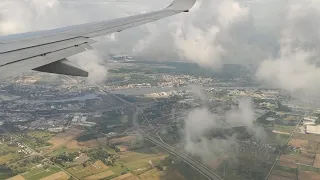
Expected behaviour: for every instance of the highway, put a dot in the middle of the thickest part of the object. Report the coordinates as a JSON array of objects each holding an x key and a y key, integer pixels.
[
  {"x": 187, "y": 159},
  {"x": 205, "y": 171}
]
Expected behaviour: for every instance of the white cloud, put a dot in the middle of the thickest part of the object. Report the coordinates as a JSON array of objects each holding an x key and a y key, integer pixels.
[
  {"x": 92, "y": 62},
  {"x": 295, "y": 68},
  {"x": 281, "y": 36},
  {"x": 200, "y": 122}
]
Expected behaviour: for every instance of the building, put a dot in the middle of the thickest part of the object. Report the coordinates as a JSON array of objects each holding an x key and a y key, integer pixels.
[
  {"x": 56, "y": 129},
  {"x": 310, "y": 129},
  {"x": 271, "y": 119},
  {"x": 82, "y": 121},
  {"x": 309, "y": 119}
]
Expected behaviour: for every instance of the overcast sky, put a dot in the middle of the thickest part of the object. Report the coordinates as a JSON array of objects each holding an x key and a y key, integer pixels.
[{"x": 281, "y": 37}]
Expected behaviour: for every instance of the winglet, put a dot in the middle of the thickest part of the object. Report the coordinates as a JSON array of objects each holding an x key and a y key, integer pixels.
[{"x": 182, "y": 5}]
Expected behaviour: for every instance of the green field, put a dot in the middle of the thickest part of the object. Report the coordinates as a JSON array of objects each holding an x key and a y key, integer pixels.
[
  {"x": 118, "y": 169},
  {"x": 36, "y": 139},
  {"x": 38, "y": 173},
  {"x": 183, "y": 168},
  {"x": 285, "y": 169},
  {"x": 62, "y": 150},
  {"x": 6, "y": 172},
  {"x": 309, "y": 168},
  {"x": 9, "y": 153},
  {"x": 89, "y": 136},
  {"x": 243, "y": 169},
  {"x": 282, "y": 138},
  {"x": 288, "y": 129},
  {"x": 79, "y": 171},
  {"x": 44, "y": 135}
]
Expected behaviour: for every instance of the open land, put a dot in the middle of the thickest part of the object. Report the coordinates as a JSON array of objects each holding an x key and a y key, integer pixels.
[{"x": 64, "y": 137}]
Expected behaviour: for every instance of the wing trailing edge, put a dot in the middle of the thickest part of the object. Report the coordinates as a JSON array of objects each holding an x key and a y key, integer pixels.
[{"x": 64, "y": 67}]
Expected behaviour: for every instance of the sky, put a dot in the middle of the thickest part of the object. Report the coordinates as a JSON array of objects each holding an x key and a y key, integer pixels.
[{"x": 280, "y": 37}]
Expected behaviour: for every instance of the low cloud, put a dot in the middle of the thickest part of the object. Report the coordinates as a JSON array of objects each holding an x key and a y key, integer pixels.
[
  {"x": 244, "y": 116},
  {"x": 200, "y": 122},
  {"x": 296, "y": 66},
  {"x": 92, "y": 62}
]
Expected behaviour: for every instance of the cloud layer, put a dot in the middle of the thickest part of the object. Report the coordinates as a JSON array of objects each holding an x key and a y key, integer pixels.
[{"x": 281, "y": 37}]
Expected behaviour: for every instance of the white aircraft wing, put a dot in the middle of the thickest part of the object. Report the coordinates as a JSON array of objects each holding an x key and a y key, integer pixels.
[{"x": 47, "y": 50}]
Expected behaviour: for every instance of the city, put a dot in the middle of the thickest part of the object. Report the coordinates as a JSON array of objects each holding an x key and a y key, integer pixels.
[{"x": 159, "y": 125}]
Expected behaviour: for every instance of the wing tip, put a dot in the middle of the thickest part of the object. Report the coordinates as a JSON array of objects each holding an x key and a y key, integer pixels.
[{"x": 183, "y": 5}]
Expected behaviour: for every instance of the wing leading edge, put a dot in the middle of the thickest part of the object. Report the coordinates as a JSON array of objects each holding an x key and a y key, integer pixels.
[{"x": 46, "y": 51}]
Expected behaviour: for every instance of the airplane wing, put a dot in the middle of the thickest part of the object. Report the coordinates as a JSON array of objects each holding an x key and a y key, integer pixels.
[{"x": 47, "y": 50}]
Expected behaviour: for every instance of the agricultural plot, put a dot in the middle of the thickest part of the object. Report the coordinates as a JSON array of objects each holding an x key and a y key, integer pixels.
[
  {"x": 286, "y": 129},
  {"x": 118, "y": 169},
  {"x": 36, "y": 139},
  {"x": 154, "y": 174},
  {"x": 124, "y": 139},
  {"x": 127, "y": 176},
  {"x": 145, "y": 163},
  {"x": 243, "y": 169},
  {"x": 74, "y": 144},
  {"x": 298, "y": 142},
  {"x": 100, "y": 175},
  {"x": 17, "y": 177},
  {"x": 173, "y": 174},
  {"x": 296, "y": 158},
  {"x": 64, "y": 137},
  {"x": 301, "y": 163},
  {"x": 81, "y": 171},
  {"x": 277, "y": 177},
  {"x": 316, "y": 162},
  {"x": 280, "y": 174},
  {"x": 311, "y": 137},
  {"x": 57, "y": 176},
  {"x": 9, "y": 153},
  {"x": 39, "y": 173},
  {"x": 140, "y": 159},
  {"x": 308, "y": 175},
  {"x": 44, "y": 135}
]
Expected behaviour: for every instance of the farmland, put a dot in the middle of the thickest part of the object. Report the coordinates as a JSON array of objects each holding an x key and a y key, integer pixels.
[
  {"x": 299, "y": 160},
  {"x": 40, "y": 172},
  {"x": 64, "y": 137}
]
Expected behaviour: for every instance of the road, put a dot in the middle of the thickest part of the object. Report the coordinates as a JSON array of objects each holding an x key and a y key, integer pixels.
[
  {"x": 278, "y": 157},
  {"x": 205, "y": 171}
]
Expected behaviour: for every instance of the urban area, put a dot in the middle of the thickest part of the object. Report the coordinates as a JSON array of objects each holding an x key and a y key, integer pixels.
[{"x": 155, "y": 120}]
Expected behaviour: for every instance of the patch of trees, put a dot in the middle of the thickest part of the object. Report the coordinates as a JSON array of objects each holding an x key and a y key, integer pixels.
[
  {"x": 282, "y": 107},
  {"x": 317, "y": 120},
  {"x": 34, "y": 160},
  {"x": 98, "y": 154},
  {"x": 6, "y": 172},
  {"x": 34, "y": 141},
  {"x": 88, "y": 136},
  {"x": 262, "y": 119},
  {"x": 104, "y": 156},
  {"x": 65, "y": 157}
]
